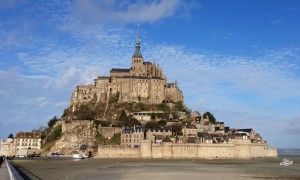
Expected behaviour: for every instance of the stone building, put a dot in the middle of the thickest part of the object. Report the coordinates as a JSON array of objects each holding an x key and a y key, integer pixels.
[
  {"x": 28, "y": 140},
  {"x": 154, "y": 133},
  {"x": 8, "y": 147},
  {"x": 189, "y": 130},
  {"x": 132, "y": 136},
  {"x": 142, "y": 82}
]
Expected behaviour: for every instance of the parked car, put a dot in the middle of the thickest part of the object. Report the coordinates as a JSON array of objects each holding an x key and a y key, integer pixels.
[
  {"x": 54, "y": 154},
  {"x": 33, "y": 155}
]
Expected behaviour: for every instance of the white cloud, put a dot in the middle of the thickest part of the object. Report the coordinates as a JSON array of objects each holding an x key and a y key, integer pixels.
[
  {"x": 123, "y": 12},
  {"x": 108, "y": 11},
  {"x": 242, "y": 91}
]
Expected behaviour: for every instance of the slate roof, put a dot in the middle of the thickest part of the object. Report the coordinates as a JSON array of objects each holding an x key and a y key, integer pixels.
[
  {"x": 11, "y": 136},
  {"x": 167, "y": 139},
  {"x": 119, "y": 70},
  {"x": 226, "y": 129},
  {"x": 166, "y": 129},
  {"x": 141, "y": 77},
  {"x": 129, "y": 130}
]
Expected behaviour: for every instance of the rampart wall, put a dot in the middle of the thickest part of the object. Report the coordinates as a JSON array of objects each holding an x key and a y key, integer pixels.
[
  {"x": 109, "y": 132},
  {"x": 117, "y": 152},
  {"x": 236, "y": 150}
]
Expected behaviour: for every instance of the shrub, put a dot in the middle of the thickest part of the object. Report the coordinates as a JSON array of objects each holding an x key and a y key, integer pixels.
[{"x": 52, "y": 121}]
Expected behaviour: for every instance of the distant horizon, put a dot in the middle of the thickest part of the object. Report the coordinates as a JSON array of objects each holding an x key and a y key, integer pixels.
[{"x": 238, "y": 60}]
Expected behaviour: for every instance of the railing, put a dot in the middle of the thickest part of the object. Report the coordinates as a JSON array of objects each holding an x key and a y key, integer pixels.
[{"x": 13, "y": 173}]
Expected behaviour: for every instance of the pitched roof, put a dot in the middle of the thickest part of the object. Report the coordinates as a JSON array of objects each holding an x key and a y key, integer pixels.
[
  {"x": 119, "y": 70},
  {"x": 131, "y": 129},
  {"x": 166, "y": 129},
  {"x": 11, "y": 136},
  {"x": 142, "y": 77},
  {"x": 167, "y": 139}
]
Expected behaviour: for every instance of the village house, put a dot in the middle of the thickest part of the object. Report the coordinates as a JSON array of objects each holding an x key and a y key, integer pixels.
[
  {"x": 204, "y": 137},
  {"x": 132, "y": 136},
  {"x": 189, "y": 130},
  {"x": 157, "y": 134},
  {"x": 28, "y": 140}
]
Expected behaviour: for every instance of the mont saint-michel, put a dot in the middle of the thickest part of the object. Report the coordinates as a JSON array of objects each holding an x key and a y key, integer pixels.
[
  {"x": 143, "y": 82},
  {"x": 137, "y": 113}
]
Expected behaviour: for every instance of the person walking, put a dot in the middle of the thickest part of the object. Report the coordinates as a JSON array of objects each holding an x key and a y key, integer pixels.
[{"x": 1, "y": 161}]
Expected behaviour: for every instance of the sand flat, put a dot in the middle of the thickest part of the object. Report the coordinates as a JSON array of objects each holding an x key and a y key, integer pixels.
[{"x": 149, "y": 169}]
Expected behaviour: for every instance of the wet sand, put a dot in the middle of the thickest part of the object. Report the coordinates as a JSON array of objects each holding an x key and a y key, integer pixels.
[{"x": 150, "y": 169}]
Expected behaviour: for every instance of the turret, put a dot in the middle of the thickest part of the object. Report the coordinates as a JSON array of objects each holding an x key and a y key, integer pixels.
[{"x": 10, "y": 138}]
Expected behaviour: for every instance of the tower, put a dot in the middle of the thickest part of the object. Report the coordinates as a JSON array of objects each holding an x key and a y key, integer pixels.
[{"x": 137, "y": 58}]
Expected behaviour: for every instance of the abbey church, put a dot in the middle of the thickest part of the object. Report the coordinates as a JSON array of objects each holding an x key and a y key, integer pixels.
[{"x": 143, "y": 82}]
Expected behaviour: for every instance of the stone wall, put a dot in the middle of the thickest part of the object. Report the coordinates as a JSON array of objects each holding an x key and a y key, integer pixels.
[
  {"x": 238, "y": 150},
  {"x": 117, "y": 152},
  {"x": 108, "y": 132}
]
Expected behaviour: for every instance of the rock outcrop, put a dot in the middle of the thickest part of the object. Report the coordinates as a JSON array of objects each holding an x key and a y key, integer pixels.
[{"x": 80, "y": 132}]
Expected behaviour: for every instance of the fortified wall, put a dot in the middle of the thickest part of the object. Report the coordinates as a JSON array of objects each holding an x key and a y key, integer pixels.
[
  {"x": 109, "y": 132},
  {"x": 240, "y": 149}
]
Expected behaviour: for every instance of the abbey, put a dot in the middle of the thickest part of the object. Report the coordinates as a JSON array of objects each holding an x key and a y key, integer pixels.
[{"x": 143, "y": 82}]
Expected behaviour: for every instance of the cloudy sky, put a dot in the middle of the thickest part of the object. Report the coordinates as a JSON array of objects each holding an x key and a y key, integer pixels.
[{"x": 240, "y": 60}]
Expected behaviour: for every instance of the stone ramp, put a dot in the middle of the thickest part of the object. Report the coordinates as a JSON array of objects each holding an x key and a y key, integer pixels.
[{"x": 4, "y": 172}]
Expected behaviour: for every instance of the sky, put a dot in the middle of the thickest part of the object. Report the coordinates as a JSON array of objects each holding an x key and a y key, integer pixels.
[{"x": 238, "y": 59}]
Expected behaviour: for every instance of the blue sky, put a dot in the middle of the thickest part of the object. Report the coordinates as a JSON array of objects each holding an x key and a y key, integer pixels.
[{"x": 239, "y": 60}]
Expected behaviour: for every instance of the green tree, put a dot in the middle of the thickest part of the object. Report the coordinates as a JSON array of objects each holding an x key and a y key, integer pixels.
[
  {"x": 162, "y": 123},
  {"x": 210, "y": 116},
  {"x": 179, "y": 106},
  {"x": 52, "y": 121},
  {"x": 56, "y": 134},
  {"x": 65, "y": 113},
  {"x": 153, "y": 116},
  {"x": 123, "y": 119},
  {"x": 151, "y": 124},
  {"x": 176, "y": 128},
  {"x": 163, "y": 107},
  {"x": 133, "y": 121},
  {"x": 114, "y": 98},
  {"x": 116, "y": 139}
]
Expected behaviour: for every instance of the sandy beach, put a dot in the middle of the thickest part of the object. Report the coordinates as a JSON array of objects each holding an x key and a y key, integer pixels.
[{"x": 149, "y": 169}]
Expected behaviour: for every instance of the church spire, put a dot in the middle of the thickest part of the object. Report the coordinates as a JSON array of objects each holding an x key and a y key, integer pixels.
[{"x": 137, "y": 52}]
